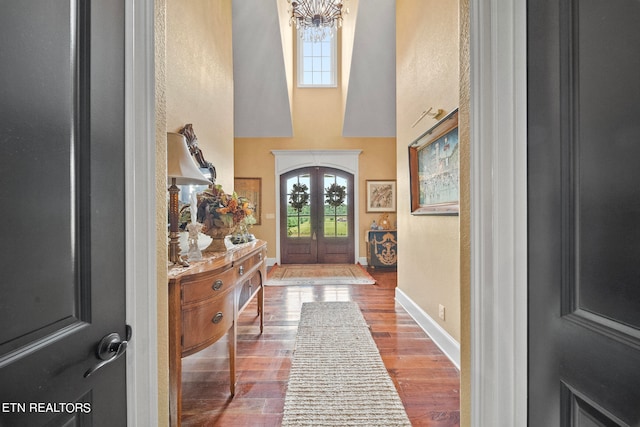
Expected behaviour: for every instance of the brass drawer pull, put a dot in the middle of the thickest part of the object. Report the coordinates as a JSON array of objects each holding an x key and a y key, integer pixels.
[
  {"x": 241, "y": 270},
  {"x": 217, "y": 284},
  {"x": 260, "y": 256},
  {"x": 217, "y": 318}
]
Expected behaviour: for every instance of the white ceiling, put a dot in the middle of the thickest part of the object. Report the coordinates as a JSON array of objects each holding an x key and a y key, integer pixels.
[{"x": 261, "y": 99}]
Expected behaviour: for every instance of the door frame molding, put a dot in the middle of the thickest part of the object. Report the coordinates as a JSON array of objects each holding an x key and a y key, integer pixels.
[
  {"x": 498, "y": 374},
  {"x": 498, "y": 256},
  {"x": 346, "y": 160},
  {"x": 139, "y": 198}
]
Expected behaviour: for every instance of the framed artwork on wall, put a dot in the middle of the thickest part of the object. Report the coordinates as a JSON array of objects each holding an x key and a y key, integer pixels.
[
  {"x": 251, "y": 188},
  {"x": 434, "y": 168},
  {"x": 381, "y": 195}
]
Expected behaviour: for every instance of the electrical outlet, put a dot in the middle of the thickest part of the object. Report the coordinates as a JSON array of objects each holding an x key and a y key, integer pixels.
[{"x": 441, "y": 311}]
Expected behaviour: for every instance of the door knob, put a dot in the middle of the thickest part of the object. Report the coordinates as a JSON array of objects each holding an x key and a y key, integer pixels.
[{"x": 110, "y": 348}]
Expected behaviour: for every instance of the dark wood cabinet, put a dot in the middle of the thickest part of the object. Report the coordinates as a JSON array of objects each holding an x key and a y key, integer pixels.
[{"x": 204, "y": 302}]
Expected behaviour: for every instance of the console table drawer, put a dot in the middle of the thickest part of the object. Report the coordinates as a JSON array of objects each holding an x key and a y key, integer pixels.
[
  {"x": 246, "y": 265},
  {"x": 207, "y": 286},
  {"x": 205, "y": 323}
]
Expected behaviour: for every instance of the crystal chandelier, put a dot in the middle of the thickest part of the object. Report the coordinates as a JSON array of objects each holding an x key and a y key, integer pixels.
[{"x": 318, "y": 19}]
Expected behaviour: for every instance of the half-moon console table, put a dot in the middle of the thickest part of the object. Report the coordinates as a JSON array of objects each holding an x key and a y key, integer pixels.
[{"x": 204, "y": 301}]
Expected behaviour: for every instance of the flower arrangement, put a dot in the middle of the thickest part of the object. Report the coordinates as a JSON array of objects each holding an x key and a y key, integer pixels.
[
  {"x": 217, "y": 209},
  {"x": 221, "y": 214}
]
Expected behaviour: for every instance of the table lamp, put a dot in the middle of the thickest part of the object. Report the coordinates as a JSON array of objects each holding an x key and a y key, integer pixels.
[{"x": 182, "y": 170}]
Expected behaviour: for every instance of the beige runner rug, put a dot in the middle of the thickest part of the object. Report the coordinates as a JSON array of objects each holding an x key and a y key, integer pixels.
[
  {"x": 337, "y": 376},
  {"x": 319, "y": 274}
]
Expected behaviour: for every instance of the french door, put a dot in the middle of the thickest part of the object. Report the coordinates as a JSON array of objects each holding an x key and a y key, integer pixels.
[{"x": 316, "y": 216}]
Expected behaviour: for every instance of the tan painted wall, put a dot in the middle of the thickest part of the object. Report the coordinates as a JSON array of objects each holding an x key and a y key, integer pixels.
[
  {"x": 200, "y": 78},
  {"x": 254, "y": 159},
  {"x": 427, "y": 75},
  {"x": 465, "y": 216},
  {"x": 317, "y": 125},
  {"x": 161, "y": 211},
  {"x": 194, "y": 84}
]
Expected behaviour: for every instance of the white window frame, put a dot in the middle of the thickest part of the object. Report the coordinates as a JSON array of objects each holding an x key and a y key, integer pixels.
[{"x": 334, "y": 64}]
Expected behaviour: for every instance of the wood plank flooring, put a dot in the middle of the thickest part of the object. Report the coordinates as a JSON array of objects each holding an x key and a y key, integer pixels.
[{"x": 427, "y": 382}]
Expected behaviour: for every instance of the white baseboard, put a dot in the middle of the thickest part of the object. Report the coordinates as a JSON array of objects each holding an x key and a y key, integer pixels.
[
  {"x": 273, "y": 261},
  {"x": 449, "y": 346},
  {"x": 270, "y": 262}
]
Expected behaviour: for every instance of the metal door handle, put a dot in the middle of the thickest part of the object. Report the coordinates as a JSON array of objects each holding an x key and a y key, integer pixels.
[{"x": 110, "y": 348}]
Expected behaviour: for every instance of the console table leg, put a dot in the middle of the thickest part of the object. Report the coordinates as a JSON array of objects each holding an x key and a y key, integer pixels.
[
  {"x": 232, "y": 359},
  {"x": 261, "y": 307}
]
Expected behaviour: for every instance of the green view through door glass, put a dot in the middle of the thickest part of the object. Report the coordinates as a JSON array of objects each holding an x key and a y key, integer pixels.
[
  {"x": 335, "y": 221},
  {"x": 298, "y": 209}
]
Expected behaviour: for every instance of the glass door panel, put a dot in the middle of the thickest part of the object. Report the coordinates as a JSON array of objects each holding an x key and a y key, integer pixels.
[
  {"x": 298, "y": 207},
  {"x": 335, "y": 209}
]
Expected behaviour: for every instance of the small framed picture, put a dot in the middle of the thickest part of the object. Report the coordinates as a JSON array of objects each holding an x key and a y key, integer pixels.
[
  {"x": 251, "y": 188},
  {"x": 381, "y": 195}
]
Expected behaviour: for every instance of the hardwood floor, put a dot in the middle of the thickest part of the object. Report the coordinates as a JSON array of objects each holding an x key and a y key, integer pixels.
[{"x": 427, "y": 382}]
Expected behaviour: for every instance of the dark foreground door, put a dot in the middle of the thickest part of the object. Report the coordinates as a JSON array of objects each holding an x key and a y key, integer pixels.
[
  {"x": 322, "y": 229},
  {"x": 62, "y": 210},
  {"x": 584, "y": 212}
]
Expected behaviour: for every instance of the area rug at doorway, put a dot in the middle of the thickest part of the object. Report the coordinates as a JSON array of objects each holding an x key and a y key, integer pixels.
[
  {"x": 337, "y": 376},
  {"x": 319, "y": 274}
]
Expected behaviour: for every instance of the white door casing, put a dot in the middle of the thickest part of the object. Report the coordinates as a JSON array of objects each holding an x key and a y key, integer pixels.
[
  {"x": 140, "y": 192},
  {"x": 498, "y": 213}
]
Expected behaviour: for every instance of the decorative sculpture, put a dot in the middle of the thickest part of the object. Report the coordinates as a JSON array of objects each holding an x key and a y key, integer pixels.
[{"x": 196, "y": 152}]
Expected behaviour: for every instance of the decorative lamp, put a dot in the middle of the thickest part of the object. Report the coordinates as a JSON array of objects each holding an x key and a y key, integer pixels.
[
  {"x": 318, "y": 18},
  {"x": 182, "y": 170}
]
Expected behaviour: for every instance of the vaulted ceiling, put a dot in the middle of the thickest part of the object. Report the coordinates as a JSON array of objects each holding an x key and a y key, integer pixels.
[{"x": 263, "y": 61}]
